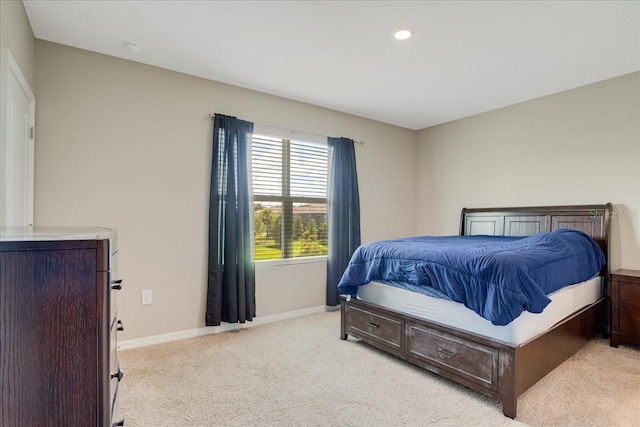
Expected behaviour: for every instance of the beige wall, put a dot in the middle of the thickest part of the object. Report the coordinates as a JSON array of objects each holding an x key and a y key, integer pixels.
[
  {"x": 16, "y": 34},
  {"x": 128, "y": 146},
  {"x": 581, "y": 146}
]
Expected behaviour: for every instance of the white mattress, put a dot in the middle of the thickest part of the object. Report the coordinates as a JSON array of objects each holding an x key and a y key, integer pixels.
[{"x": 564, "y": 302}]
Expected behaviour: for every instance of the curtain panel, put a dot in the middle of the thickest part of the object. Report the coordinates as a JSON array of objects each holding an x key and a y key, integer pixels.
[
  {"x": 231, "y": 270},
  {"x": 343, "y": 212}
]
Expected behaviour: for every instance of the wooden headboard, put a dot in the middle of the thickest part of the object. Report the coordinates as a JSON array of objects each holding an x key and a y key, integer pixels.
[{"x": 590, "y": 219}]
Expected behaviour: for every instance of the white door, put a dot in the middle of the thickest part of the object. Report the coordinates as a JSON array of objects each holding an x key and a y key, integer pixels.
[{"x": 17, "y": 151}]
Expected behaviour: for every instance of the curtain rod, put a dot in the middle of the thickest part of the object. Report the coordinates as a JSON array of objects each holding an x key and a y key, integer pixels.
[{"x": 292, "y": 131}]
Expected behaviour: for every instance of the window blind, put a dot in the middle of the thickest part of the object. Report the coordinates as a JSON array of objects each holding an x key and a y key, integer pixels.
[{"x": 290, "y": 198}]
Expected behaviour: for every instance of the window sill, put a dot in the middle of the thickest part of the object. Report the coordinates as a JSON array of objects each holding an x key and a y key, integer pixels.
[{"x": 290, "y": 261}]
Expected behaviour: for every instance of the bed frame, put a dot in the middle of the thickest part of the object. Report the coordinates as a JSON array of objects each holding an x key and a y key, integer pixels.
[{"x": 499, "y": 369}]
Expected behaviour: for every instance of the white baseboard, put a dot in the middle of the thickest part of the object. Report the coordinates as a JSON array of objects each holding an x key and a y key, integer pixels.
[{"x": 192, "y": 333}]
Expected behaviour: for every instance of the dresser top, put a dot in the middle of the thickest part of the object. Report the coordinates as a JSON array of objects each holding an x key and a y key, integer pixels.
[
  {"x": 626, "y": 272},
  {"x": 55, "y": 233}
]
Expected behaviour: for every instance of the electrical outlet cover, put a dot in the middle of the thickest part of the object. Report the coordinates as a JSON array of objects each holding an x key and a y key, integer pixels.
[{"x": 147, "y": 297}]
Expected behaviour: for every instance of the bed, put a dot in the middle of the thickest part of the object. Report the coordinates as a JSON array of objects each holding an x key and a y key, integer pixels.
[{"x": 505, "y": 364}]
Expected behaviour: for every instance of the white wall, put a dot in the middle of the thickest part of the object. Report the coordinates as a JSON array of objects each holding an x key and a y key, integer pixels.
[
  {"x": 580, "y": 146},
  {"x": 128, "y": 146}
]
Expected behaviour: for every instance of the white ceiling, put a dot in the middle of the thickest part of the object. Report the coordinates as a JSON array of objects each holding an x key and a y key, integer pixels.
[{"x": 465, "y": 57}]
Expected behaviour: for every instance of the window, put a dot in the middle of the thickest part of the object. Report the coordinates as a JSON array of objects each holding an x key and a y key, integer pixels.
[{"x": 289, "y": 198}]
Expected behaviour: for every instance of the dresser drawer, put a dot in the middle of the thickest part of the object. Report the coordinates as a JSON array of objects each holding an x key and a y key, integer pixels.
[
  {"x": 116, "y": 419},
  {"x": 116, "y": 379},
  {"x": 629, "y": 294},
  {"x": 116, "y": 286},
  {"x": 382, "y": 329},
  {"x": 625, "y": 307},
  {"x": 116, "y": 283},
  {"x": 631, "y": 324},
  {"x": 470, "y": 360},
  {"x": 114, "y": 365}
]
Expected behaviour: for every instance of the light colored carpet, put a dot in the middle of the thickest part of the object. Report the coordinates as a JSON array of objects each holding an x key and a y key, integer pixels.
[{"x": 299, "y": 373}]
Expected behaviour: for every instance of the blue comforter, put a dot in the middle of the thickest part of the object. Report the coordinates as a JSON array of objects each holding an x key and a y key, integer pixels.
[{"x": 497, "y": 277}]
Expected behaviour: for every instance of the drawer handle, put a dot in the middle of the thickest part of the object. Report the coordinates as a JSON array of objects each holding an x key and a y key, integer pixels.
[
  {"x": 119, "y": 423},
  {"x": 118, "y": 375},
  {"x": 447, "y": 352},
  {"x": 116, "y": 284},
  {"x": 119, "y": 326},
  {"x": 373, "y": 325}
]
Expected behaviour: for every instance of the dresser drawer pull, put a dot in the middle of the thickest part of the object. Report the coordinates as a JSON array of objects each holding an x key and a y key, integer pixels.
[
  {"x": 447, "y": 352},
  {"x": 116, "y": 284},
  {"x": 118, "y": 375},
  {"x": 373, "y": 325},
  {"x": 119, "y": 326},
  {"x": 118, "y": 424}
]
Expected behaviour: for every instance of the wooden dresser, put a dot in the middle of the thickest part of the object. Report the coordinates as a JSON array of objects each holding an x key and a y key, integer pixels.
[
  {"x": 58, "y": 331},
  {"x": 625, "y": 307}
]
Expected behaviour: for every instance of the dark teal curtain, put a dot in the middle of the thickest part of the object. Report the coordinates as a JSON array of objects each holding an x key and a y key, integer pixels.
[
  {"x": 231, "y": 276},
  {"x": 343, "y": 212}
]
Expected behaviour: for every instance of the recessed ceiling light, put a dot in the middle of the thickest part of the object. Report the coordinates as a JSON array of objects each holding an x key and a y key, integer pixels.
[
  {"x": 133, "y": 47},
  {"x": 402, "y": 34}
]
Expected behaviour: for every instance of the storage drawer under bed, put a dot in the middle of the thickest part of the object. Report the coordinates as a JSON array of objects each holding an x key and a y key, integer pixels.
[
  {"x": 470, "y": 360},
  {"x": 381, "y": 329}
]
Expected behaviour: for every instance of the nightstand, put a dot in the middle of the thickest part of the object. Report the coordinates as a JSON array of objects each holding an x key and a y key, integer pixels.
[{"x": 625, "y": 307}]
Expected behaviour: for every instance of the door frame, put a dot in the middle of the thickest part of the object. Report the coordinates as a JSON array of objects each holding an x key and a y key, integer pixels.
[{"x": 13, "y": 69}]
